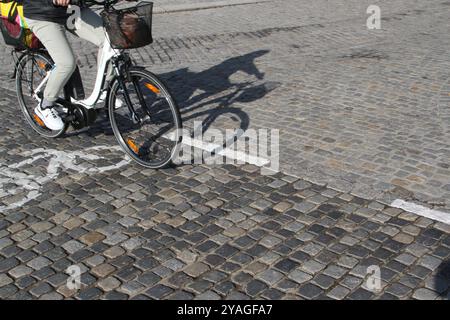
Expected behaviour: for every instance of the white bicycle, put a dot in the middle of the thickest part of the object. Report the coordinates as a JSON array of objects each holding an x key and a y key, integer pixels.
[{"x": 148, "y": 124}]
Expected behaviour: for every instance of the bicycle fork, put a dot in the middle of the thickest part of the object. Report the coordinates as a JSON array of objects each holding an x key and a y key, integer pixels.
[
  {"x": 121, "y": 79},
  {"x": 134, "y": 115}
]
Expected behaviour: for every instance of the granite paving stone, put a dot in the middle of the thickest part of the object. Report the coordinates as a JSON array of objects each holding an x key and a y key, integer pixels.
[{"x": 362, "y": 120}]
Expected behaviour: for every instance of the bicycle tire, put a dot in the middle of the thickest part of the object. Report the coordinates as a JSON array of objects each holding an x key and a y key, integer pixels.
[
  {"x": 136, "y": 72},
  {"x": 35, "y": 123}
]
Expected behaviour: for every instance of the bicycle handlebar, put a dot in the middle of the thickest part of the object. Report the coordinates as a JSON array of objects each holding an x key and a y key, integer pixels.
[{"x": 106, "y": 3}]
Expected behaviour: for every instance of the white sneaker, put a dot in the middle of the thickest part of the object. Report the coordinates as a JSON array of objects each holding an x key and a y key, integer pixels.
[
  {"x": 50, "y": 118},
  {"x": 119, "y": 102}
]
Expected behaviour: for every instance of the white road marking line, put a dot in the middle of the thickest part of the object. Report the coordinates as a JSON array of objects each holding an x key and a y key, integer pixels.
[
  {"x": 226, "y": 152},
  {"x": 435, "y": 215}
]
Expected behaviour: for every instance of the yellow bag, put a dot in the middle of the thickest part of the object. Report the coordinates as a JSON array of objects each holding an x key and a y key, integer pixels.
[
  {"x": 12, "y": 10},
  {"x": 14, "y": 27}
]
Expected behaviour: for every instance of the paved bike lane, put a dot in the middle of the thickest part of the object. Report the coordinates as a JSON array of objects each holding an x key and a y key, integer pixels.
[
  {"x": 362, "y": 111},
  {"x": 198, "y": 231},
  {"x": 204, "y": 232}
]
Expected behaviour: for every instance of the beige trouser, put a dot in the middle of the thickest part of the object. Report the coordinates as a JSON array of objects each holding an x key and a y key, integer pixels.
[{"x": 88, "y": 26}]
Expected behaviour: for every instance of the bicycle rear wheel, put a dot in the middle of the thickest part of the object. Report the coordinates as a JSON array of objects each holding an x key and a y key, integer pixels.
[
  {"x": 31, "y": 71},
  {"x": 150, "y": 131}
]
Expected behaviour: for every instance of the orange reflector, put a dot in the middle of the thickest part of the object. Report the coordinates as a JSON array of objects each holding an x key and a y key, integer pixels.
[
  {"x": 152, "y": 88},
  {"x": 38, "y": 120},
  {"x": 41, "y": 64},
  {"x": 133, "y": 146}
]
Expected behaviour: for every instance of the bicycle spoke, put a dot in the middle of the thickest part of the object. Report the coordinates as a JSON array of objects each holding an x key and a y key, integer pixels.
[
  {"x": 146, "y": 141},
  {"x": 30, "y": 73}
]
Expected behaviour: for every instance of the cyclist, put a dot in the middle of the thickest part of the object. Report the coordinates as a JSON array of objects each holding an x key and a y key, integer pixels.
[{"x": 48, "y": 19}]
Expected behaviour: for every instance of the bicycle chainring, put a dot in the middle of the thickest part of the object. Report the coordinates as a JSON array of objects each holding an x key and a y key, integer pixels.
[{"x": 83, "y": 117}]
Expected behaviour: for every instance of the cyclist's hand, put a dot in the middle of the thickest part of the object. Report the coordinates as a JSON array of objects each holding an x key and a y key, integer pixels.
[{"x": 61, "y": 3}]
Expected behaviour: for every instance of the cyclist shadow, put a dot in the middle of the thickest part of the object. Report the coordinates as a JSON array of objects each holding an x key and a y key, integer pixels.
[
  {"x": 214, "y": 92},
  {"x": 210, "y": 94},
  {"x": 214, "y": 87}
]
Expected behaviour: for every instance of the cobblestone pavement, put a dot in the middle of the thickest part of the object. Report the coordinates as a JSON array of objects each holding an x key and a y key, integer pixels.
[{"x": 363, "y": 118}]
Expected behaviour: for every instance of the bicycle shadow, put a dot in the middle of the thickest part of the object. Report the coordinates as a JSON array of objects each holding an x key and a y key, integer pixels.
[
  {"x": 212, "y": 93},
  {"x": 217, "y": 89}
]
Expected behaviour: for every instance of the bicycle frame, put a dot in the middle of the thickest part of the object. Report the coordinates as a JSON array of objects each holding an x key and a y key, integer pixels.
[{"x": 108, "y": 53}]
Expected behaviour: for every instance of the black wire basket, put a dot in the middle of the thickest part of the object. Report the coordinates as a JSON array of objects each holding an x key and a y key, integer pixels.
[{"x": 129, "y": 28}]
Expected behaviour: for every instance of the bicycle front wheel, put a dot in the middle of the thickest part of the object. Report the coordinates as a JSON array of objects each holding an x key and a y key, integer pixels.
[{"x": 149, "y": 129}]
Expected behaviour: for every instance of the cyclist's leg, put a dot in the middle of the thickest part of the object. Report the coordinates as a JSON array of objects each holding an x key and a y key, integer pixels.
[
  {"x": 53, "y": 37},
  {"x": 89, "y": 26}
]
